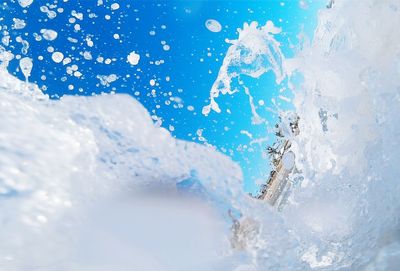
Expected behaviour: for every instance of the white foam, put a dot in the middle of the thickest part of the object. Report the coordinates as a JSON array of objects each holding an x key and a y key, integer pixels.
[
  {"x": 73, "y": 171},
  {"x": 342, "y": 210},
  {"x": 74, "y": 178}
]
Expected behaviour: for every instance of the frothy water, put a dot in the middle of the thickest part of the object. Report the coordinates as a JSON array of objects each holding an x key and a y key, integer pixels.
[
  {"x": 343, "y": 208},
  {"x": 75, "y": 172},
  {"x": 86, "y": 185}
]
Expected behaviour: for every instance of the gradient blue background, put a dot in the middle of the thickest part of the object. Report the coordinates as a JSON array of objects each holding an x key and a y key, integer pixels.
[{"x": 191, "y": 71}]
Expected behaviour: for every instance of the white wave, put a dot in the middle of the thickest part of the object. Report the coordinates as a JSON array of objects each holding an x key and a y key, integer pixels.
[
  {"x": 348, "y": 150},
  {"x": 80, "y": 178},
  {"x": 343, "y": 209},
  {"x": 74, "y": 175}
]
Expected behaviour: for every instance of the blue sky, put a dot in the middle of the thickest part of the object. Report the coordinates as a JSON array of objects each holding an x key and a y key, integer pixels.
[{"x": 183, "y": 75}]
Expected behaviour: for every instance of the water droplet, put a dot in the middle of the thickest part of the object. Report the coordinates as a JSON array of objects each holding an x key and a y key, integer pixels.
[
  {"x": 133, "y": 58},
  {"x": 57, "y": 57},
  {"x": 213, "y": 25}
]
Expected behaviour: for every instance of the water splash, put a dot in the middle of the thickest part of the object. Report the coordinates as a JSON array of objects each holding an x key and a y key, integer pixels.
[
  {"x": 254, "y": 53},
  {"x": 66, "y": 165},
  {"x": 82, "y": 155},
  {"x": 342, "y": 210},
  {"x": 26, "y": 66}
]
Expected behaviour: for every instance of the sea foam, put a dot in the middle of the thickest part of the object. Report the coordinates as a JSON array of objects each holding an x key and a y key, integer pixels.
[{"x": 91, "y": 183}]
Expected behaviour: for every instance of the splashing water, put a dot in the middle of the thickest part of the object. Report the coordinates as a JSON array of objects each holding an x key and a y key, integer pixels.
[
  {"x": 79, "y": 177},
  {"x": 343, "y": 208},
  {"x": 26, "y": 66},
  {"x": 66, "y": 165},
  {"x": 349, "y": 189},
  {"x": 255, "y": 52}
]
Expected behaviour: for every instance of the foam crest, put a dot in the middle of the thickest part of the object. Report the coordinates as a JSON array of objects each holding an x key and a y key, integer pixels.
[
  {"x": 98, "y": 179},
  {"x": 342, "y": 210},
  {"x": 67, "y": 164}
]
